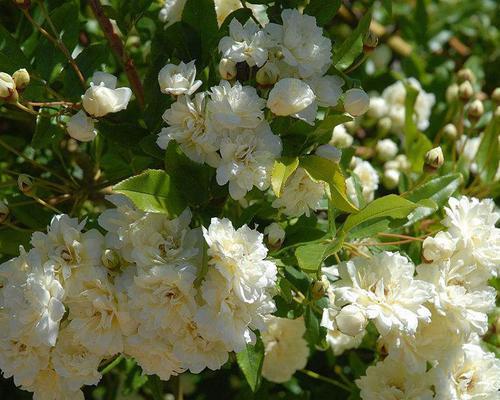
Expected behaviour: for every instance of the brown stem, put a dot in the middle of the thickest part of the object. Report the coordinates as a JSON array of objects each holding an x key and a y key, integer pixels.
[
  {"x": 53, "y": 104},
  {"x": 119, "y": 50}
]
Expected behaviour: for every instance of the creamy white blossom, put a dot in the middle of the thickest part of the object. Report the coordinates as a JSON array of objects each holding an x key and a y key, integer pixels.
[
  {"x": 386, "y": 149},
  {"x": 327, "y": 89},
  {"x": 179, "y": 79},
  {"x": 368, "y": 179},
  {"x": 341, "y": 138},
  {"x": 171, "y": 12},
  {"x": 293, "y": 97},
  {"x": 81, "y": 127}
]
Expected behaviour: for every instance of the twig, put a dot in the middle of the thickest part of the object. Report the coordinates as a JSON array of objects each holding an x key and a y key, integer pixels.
[
  {"x": 53, "y": 103},
  {"x": 24, "y": 108},
  {"x": 119, "y": 50},
  {"x": 331, "y": 381}
]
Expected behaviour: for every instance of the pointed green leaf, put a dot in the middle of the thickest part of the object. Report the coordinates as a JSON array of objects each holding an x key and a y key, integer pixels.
[
  {"x": 250, "y": 361},
  {"x": 282, "y": 170}
]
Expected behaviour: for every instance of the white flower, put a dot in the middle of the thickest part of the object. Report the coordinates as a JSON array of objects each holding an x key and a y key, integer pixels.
[
  {"x": 179, "y": 79},
  {"x": 239, "y": 255},
  {"x": 300, "y": 195},
  {"x": 171, "y": 11},
  {"x": 247, "y": 159},
  {"x": 94, "y": 314},
  {"x": 384, "y": 288},
  {"x": 244, "y": 43},
  {"x": 438, "y": 247},
  {"x": 327, "y": 89},
  {"x": 368, "y": 179},
  {"x": 275, "y": 234},
  {"x": 386, "y": 149},
  {"x": 340, "y": 137},
  {"x": 74, "y": 362},
  {"x": 49, "y": 385},
  {"x": 294, "y": 97},
  {"x": 102, "y": 97},
  {"x": 356, "y": 101},
  {"x": 186, "y": 118},
  {"x": 390, "y": 379},
  {"x": 286, "y": 350},
  {"x": 81, "y": 127},
  {"x": 302, "y": 43},
  {"x": 474, "y": 374},
  {"x": 234, "y": 107},
  {"x": 473, "y": 223},
  {"x": 351, "y": 320}
]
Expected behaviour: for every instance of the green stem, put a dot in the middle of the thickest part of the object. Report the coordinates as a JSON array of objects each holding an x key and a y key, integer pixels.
[
  {"x": 112, "y": 365},
  {"x": 331, "y": 381}
]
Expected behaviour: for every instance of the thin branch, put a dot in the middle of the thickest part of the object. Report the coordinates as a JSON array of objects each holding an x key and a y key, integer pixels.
[
  {"x": 119, "y": 50},
  {"x": 331, "y": 381}
]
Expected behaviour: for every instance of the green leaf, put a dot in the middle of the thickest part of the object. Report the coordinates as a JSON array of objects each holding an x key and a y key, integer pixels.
[
  {"x": 421, "y": 21},
  {"x": 392, "y": 206},
  {"x": 311, "y": 321},
  {"x": 343, "y": 55},
  {"x": 11, "y": 56},
  {"x": 46, "y": 133},
  {"x": 155, "y": 385},
  {"x": 323, "y": 10},
  {"x": 310, "y": 256},
  {"x": 323, "y": 131},
  {"x": 416, "y": 144},
  {"x": 283, "y": 169},
  {"x": 387, "y": 4},
  {"x": 250, "y": 362},
  {"x": 488, "y": 154},
  {"x": 322, "y": 169},
  {"x": 152, "y": 191},
  {"x": 11, "y": 239}
]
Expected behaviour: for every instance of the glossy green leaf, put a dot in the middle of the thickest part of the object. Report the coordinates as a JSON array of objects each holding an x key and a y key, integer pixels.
[
  {"x": 11, "y": 55},
  {"x": 311, "y": 256},
  {"x": 283, "y": 169},
  {"x": 323, "y": 10},
  {"x": 250, "y": 361},
  {"x": 488, "y": 154},
  {"x": 152, "y": 191}
]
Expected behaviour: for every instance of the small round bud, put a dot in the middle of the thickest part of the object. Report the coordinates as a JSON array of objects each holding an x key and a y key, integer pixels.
[
  {"x": 4, "y": 212},
  {"x": 21, "y": 78},
  {"x": 356, "y": 102},
  {"x": 384, "y": 124},
  {"x": 452, "y": 93},
  {"x": 8, "y": 90},
  {"x": 465, "y": 74},
  {"x": 268, "y": 75},
  {"x": 450, "y": 131},
  {"x": 24, "y": 183},
  {"x": 227, "y": 69},
  {"x": 319, "y": 288},
  {"x": 465, "y": 91},
  {"x": 434, "y": 158},
  {"x": 370, "y": 41},
  {"x": 495, "y": 96},
  {"x": 110, "y": 259},
  {"x": 351, "y": 320},
  {"x": 475, "y": 110},
  {"x": 329, "y": 152},
  {"x": 275, "y": 235},
  {"x": 386, "y": 149},
  {"x": 390, "y": 178}
]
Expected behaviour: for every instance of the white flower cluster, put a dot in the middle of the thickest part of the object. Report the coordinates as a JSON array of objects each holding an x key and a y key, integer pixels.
[
  {"x": 390, "y": 106},
  {"x": 146, "y": 289},
  {"x": 436, "y": 317}
]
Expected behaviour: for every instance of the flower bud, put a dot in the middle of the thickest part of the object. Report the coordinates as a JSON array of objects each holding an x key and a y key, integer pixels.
[
  {"x": 351, "y": 320},
  {"x": 227, "y": 69},
  {"x": 439, "y": 247},
  {"x": 384, "y": 124},
  {"x": 475, "y": 110},
  {"x": 452, "y": 93},
  {"x": 8, "y": 90},
  {"x": 24, "y": 183},
  {"x": 465, "y": 91},
  {"x": 110, "y": 259},
  {"x": 275, "y": 235},
  {"x": 329, "y": 152},
  {"x": 434, "y": 158},
  {"x": 450, "y": 131},
  {"x": 340, "y": 138},
  {"x": 356, "y": 102},
  {"x": 268, "y": 75},
  {"x": 465, "y": 74},
  {"x": 320, "y": 288},
  {"x": 390, "y": 178},
  {"x": 81, "y": 127},
  {"x": 4, "y": 212},
  {"x": 495, "y": 96},
  {"x": 370, "y": 41},
  {"x": 386, "y": 149},
  {"x": 21, "y": 78},
  {"x": 404, "y": 163}
]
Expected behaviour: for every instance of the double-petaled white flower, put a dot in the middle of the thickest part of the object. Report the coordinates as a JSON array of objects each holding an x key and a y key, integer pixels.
[
  {"x": 293, "y": 97},
  {"x": 179, "y": 79}
]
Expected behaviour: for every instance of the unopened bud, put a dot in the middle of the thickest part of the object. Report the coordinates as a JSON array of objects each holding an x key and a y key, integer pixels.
[
  {"x": 21, "y": 78},
  {"x": 227, "y": 69},
  {"x": 495, "y": 96},
  {"x": 8, "y": 90},
  {"x": 268, "y": 75},
  {"x": 384, "y": 124},
  {"x": 319, "y": 288},
  {"x": 450, "y": 131},
  {"x": 356, "y": 102},
  {"x": 390, "y": 178},
  {"x": 24, "y": 183},
  {"x": 275, "y": 235},
  {"x": 475, "y": 110},
  {"x": 465, "y": 91},
  {"x": 351, "y": 320},
  {"x": 4, "y": 212},
  {"x": 465, "y": 74},
  {"x": 370, "y": 41},
  {"x": 110, "y": 259},
  {"x": 452, "y": 93},
  {"x": 434, "y": 158}
]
